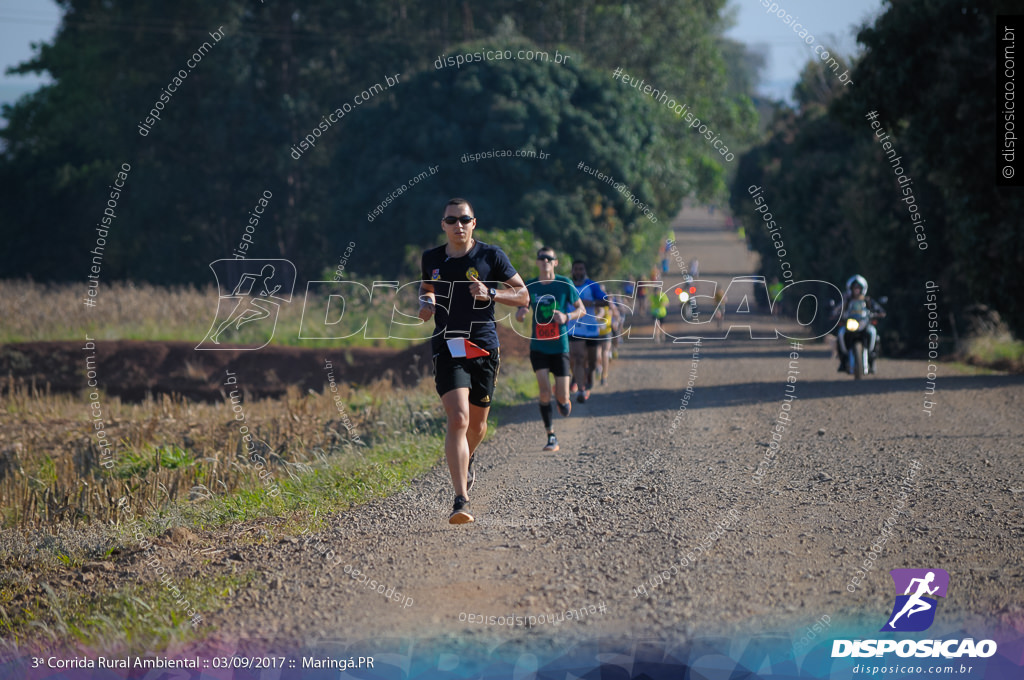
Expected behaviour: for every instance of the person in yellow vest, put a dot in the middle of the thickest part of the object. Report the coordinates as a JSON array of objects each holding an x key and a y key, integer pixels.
[
  {"x": 608, "y": 319},
  {"x": 659, "y": 310},
  {"x": 775, "y": 293},
  {"x": 720, "y": 300}
]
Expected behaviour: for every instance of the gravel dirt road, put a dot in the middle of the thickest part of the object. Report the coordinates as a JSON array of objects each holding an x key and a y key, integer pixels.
[{"x": 651, "y": 479}]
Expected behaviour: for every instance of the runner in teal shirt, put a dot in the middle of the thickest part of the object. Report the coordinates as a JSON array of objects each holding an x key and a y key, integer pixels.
[{"x": 554, "y": 301}]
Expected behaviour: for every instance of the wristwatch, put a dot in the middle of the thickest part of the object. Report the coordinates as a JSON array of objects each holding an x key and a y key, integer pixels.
[{"x": 492, "y": 292}]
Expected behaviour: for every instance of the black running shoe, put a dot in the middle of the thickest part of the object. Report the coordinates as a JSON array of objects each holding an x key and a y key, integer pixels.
[
  {"x": 582, "y": 396},
  {"x": 470, "y": 474},
  {"x": 564, "y": 409},
  {"x": 552, "y": 444},
  {"x": 460, "y": 512}
]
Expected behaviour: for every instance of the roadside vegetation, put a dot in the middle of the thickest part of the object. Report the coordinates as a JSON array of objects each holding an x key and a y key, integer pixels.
[
  {"x": 141, "y": 311},
  {"x": 998, "y": 351},
  {"x": 73, "y": 531}
]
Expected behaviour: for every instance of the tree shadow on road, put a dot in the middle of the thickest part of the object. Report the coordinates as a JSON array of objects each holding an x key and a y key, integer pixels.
[{"x": 751, "y": 393}]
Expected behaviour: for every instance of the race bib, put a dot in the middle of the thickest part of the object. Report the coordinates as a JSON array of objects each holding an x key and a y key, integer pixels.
[
  {"x": 460, "y": 348},
  {"x": 547, "y": 331}
]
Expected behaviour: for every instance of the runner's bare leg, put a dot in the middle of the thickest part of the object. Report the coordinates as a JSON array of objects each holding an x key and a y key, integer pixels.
[
  {"x": 456, "y": 444},
  {"x": 544, "y": 385},
  {"x": 591, "y": 365},
  {"x": 477, "y": 427},
  {"x": 562, "y": 388},
  {"x": 578, "y": 362}
]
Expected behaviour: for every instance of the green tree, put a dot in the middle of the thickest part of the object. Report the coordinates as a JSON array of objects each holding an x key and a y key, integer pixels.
[
  {"x": 564, "y": 113},
  {"x": 833, "y": 202},
  {"x": 928, "y": 70},
  {"x": 227, "y": 133}
]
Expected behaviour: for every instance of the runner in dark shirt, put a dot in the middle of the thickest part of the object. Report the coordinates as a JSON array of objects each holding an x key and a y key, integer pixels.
[{"x": 461, "y": 283}]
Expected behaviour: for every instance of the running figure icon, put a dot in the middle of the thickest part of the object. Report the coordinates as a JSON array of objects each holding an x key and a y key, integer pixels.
[
  {"x": 249, "y": 308},
  {"x": 917, "y": 594},
  {"x": 915, "y": 604},
  {"x": 250, "y": 296}
]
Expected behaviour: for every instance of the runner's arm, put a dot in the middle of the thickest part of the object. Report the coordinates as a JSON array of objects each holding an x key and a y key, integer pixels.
[
  {"x": 877, "y": 310},
  {"x": 426, "y": 301},
  {"x": 579, "y": 311},
  {"x": 576, "y": 313},
  {"x": 515, "y": 294},
  {"x": 599, "y": 293}
]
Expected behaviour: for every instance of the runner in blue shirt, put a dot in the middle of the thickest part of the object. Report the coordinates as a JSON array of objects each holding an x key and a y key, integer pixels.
[{"x": 584, "y": 334}]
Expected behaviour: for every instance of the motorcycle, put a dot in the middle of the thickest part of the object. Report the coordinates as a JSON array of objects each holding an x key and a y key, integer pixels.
[
  {"x": 687, "y": 297},
  {"x": 857, "y": 319}
]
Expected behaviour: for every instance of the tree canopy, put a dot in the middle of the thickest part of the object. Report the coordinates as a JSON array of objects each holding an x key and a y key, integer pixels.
[
  {"x": 228, "y": 126},
  {"x": 847, "y": 205}
]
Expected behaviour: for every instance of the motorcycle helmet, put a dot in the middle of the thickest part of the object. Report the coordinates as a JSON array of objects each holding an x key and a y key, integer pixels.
[{"x": 857, "y": 278}]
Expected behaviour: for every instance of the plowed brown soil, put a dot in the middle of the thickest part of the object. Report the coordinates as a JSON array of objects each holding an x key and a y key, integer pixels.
[{"x": 132, "y": 368}]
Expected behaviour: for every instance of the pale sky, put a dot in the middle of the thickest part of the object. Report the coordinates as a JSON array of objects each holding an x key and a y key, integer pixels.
[
  {"x": 831, "y": 22},
  {"x": 23, "y": 22}
]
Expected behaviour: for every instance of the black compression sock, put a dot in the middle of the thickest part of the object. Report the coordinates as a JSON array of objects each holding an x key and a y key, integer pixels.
[{"x": 545, "y": 413}]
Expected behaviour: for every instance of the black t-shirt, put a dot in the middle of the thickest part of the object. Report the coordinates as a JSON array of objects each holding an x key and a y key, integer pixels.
[{"x": 457, "y": 313}]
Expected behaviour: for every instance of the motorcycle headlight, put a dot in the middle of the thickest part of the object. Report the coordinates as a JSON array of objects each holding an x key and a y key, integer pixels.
[
  {"x": 684, "y": 296},
  {"x": 852, "y": 324}
]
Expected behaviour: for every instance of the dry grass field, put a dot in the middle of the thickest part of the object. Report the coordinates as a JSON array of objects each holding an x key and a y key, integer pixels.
[
  {"x": 69, "y": 512},
  {"x": 168, "y": 450},
  {"x": 129, "y": 311}
]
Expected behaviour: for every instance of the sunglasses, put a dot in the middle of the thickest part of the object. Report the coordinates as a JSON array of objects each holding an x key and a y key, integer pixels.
[
  {"x": 546, "y": 258},
  {"x": 465, "y": 219}
]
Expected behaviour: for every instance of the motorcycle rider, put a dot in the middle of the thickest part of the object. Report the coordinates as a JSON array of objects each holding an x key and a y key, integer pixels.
[{"x": 856, "y": 289}]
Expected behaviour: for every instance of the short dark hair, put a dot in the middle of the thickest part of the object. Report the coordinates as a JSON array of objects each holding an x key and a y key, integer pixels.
[
  {"x": 459, "y": 201},
  {"x": 547, "y": 249},
  {"x": 576, "y": 262}
]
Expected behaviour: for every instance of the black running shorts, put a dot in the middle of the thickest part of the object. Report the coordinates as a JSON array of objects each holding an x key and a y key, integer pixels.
[
  {"x": 480, "y": 375},
  {"x": 558, "y": 364}
]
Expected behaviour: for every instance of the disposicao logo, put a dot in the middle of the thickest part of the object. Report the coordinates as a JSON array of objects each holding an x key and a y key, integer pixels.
[
  {"x": 249, "y": 292},
  {"x": 914, "y": 611}
]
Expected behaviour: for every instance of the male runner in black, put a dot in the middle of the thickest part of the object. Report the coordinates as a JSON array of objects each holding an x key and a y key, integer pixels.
[{"x": 459, "y": 287}]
